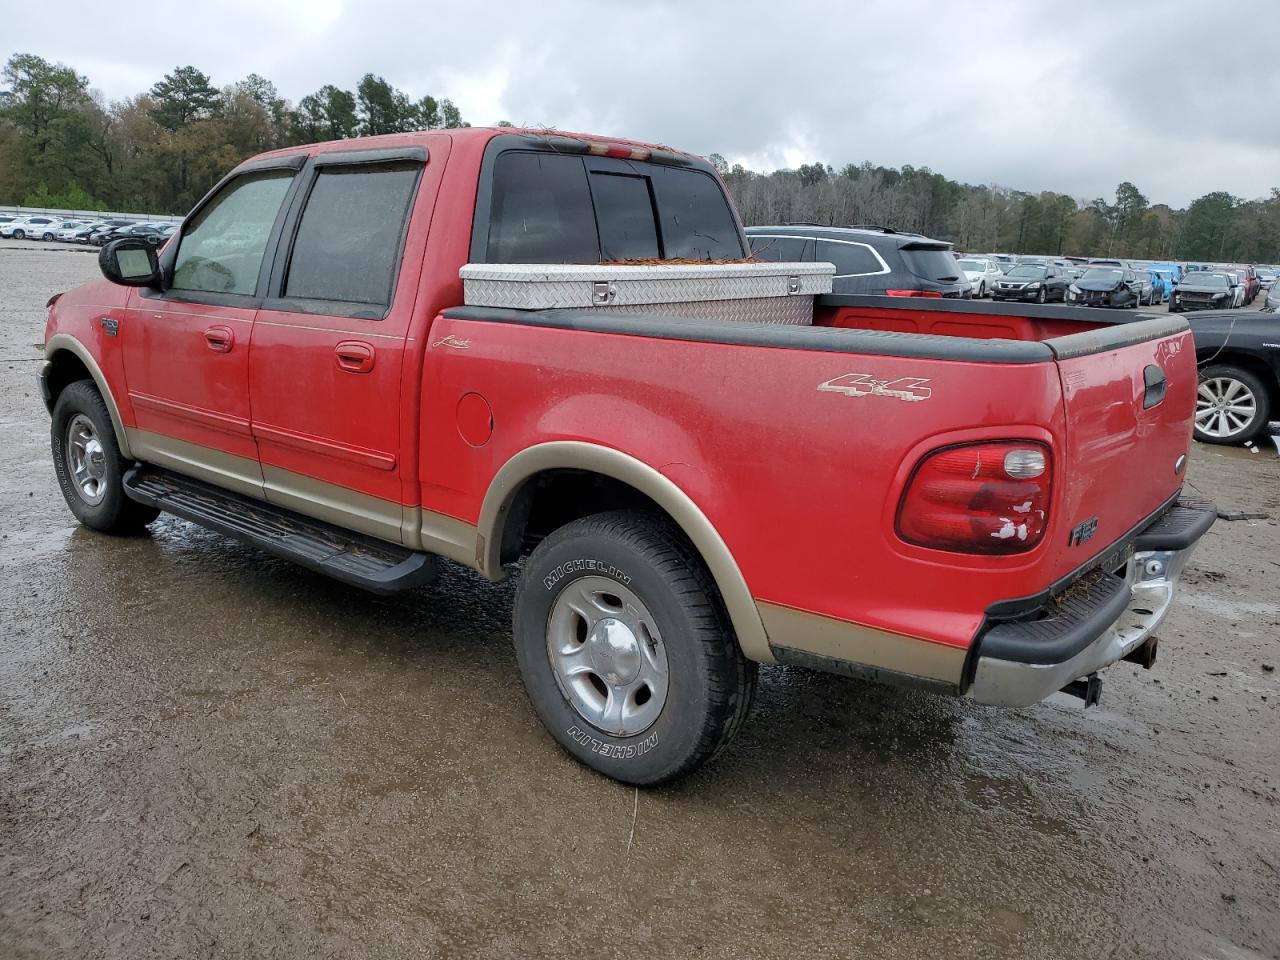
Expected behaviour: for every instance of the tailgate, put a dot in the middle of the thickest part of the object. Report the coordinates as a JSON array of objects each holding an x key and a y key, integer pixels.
[{"x": 1129, "y": 396}]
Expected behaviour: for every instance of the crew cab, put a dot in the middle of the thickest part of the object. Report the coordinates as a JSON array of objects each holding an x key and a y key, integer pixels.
[{"x": 983, "y": 501}]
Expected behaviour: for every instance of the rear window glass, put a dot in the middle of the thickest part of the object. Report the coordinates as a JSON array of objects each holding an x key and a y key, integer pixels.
[
  {"x": 931, "y": 263},
  {"x": 348, "y": 243},
  {"x": 850, "y": 259},
  {"x": 547, "y": 208},
  {"x": 781, "y": 249},
  {"x": 541, "y": 211},
  {"x": 628, "y": 231},
  {"x": 697, "y": 222}
]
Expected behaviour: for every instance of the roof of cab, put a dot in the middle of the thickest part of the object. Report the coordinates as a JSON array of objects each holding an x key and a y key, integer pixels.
[{"x": 481, "y": 134}]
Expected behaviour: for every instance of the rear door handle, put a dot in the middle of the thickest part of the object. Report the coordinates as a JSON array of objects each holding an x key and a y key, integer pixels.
[
  {"x": 354, "y": 356},
  {"x": 220, "y": 339}
]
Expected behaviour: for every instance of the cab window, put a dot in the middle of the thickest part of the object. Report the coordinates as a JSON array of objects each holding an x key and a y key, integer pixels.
[{"x": 221, "y": 249}]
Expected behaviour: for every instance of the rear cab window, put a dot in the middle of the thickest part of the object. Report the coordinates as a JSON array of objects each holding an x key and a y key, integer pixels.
[{"x": 565, "y": 208}]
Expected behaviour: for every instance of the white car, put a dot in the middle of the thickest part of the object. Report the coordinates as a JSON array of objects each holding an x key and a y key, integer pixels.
[
  {"x": 1236, "y": 279},
  {"x": 34, "y": 227},
  {"x": 981, "y": 273},
  {"x": 70, "y": 228}
]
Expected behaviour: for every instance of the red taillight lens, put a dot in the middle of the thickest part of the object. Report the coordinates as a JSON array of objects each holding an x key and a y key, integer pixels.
[
  {"x": 988, "y": 498},
  {"x": 913, "y": 293}
]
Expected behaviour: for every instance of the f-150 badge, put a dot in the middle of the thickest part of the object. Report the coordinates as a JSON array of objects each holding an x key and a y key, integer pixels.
[{"x": 910, "y": 389}]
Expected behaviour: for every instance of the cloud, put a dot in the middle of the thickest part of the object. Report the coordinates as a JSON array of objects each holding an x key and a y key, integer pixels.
[{"x": 1034, "y": 95}]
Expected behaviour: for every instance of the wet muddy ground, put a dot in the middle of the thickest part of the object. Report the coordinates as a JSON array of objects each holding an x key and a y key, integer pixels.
[{"x": 208, "y": 753}]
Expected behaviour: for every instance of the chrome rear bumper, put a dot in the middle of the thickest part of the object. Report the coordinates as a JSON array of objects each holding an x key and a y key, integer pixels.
[{"x": 1113, "y": 616}]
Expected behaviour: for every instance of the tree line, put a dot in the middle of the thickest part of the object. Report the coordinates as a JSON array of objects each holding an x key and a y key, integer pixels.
[
  {"x": 1216, "y": 226},
  {"x": 63, "y": 145}
]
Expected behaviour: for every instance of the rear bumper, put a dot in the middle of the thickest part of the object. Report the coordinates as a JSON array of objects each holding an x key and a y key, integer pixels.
[{"x": 1101, "y": 618}]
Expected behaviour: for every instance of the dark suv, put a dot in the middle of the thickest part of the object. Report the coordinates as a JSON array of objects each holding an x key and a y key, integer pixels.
[
  {"x": 1030, "y": 282},
  {"x": 869, "y": 260}
]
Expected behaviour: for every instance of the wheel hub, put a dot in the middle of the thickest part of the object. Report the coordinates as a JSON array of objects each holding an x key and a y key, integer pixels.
[
  {"x": 614, "y": 651},
  {"x": 607, "y": 655}
]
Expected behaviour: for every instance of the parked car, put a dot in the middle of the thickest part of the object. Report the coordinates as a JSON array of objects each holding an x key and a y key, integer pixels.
[
  {"x": 1166, "y": 275},
  {"x": 111, "y": 229},
  {"x": 1201, "y": 290},
  {"x": 80, "y": 234},
  {"x": 655, "y": 482},
  {"x": 867, "y": 260},
  {"x": 1104, "y": 287},
  {"x": 67, "y": 229},
  {"x": 27, "y": 227},
  {"x": 7, "y": 218},
  {"x": 1266, "y": 277},
  {"x": 1030, "y": 282},
  {"x": 1099, "y": 262},
  {"x": 1249, "y": 279},
  {"x": 982, "y": 275},
  {"x": 1143, "y": 286},
  {"x": 1239, "y": 288},
  {"x": 1239, "y": 390}
]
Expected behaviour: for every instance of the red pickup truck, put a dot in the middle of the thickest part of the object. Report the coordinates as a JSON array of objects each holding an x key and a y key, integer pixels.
[{"x": 982, "y": 500}]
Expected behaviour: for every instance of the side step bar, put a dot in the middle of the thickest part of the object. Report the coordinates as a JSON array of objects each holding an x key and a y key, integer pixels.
[{"x": 353, "y": 558}]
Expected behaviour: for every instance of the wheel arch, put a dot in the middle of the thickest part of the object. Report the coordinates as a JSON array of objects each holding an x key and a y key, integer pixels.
[
  {"x": 514, "y": 478},
  {"x": 68, "y": 360},
  {"x": 1246, "y": 361}
]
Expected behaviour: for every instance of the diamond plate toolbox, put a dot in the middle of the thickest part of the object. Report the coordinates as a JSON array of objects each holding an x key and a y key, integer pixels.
[{"x": 752, "y": 292}]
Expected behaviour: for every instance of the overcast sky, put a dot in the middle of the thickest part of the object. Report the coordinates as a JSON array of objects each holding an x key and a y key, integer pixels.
[{"x": 1179, "y": 97}]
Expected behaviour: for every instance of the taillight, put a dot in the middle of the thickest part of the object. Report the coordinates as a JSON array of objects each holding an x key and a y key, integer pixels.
[
  {"x": 913, "y": 293},
  {"x": 989, "y": 498}
]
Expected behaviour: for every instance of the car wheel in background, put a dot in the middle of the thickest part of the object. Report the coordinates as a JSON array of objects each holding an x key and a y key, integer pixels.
[
  {"x": 982, "y": 289},
  {"x": 1041, "y": 297},
  {"x": 1232, "y": 405},
  {"x": 625, "y": 648},
  {"x": 19, "y": 235}
]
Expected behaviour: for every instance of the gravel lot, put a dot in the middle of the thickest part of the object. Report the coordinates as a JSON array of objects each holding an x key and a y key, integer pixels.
[{"x": 208, "y": 753}]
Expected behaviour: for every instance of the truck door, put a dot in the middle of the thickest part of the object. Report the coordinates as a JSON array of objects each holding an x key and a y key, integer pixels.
[
  {"x": 329, "y": 342},
  {"x": 186, "y": 348}
]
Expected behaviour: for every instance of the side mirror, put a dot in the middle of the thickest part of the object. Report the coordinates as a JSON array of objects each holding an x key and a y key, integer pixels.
[{"x": 130, "y": 262}]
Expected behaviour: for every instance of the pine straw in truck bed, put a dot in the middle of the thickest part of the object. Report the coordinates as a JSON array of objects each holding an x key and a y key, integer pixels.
[{"x": 674, "y": 262}]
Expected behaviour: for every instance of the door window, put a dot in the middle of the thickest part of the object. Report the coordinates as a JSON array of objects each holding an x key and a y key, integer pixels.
[
  {"x": 347, "y": 248},
  {"x": 221, "y": 249}
]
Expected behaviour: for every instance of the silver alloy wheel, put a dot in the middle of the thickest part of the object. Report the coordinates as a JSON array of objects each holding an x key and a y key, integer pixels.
[
  {"x": 86, "y": 459},
  {"x": 1225, "y": 407},
  {"x": 607, "y": 655}
]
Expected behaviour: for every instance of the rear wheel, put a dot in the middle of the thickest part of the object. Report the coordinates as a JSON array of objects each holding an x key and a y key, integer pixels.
[
  {"x": 1232, "y": 405},
  {"x": 89, "y": 465},
  {"x": 625, "y": 650}
]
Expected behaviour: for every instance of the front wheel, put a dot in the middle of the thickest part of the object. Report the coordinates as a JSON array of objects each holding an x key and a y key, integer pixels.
[
  {"x": 1232, "y": 405},
  {"x": 1041, "y": 296},
  {"x": 19, "y": 235},
  {"x": 625, "y": 650},
  {"x": 89, "y": 465}
]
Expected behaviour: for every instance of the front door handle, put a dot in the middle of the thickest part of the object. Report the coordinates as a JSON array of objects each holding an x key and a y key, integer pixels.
[
  {"x": 220, "y": 339},
  {"x": 354, "y": 356}
]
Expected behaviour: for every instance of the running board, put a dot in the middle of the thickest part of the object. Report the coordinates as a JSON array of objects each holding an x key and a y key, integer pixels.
[{"x": 353, "y": 558}]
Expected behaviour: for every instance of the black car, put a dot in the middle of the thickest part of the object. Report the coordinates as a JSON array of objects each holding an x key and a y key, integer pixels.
[
  {"x": 1202, "y": 290},
  {"x": 1029, "y": 282},
  {"x": 868, "y": 260},
  {"x": 1104, "y": 287},
  {"x": 1239, "y": 375}
]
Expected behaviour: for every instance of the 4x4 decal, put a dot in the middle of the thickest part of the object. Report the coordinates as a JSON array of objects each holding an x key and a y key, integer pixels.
[{"x": 910, "y": 389}]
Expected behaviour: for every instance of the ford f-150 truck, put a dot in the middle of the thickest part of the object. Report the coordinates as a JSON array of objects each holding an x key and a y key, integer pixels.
[{"x": 984, "y": 501}]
